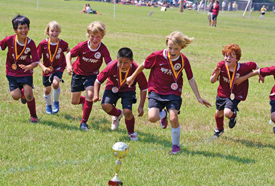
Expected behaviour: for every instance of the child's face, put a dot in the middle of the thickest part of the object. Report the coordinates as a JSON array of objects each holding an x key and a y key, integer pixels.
[
  {"x": 53, "y": 33},
  {"x": 173, "y": 49},
  {"x": 22, "y": 31},
  {"x": 95, "y": 39},
  {"x": 124, "y": 63},
  {"x": 230, "y": 59}
]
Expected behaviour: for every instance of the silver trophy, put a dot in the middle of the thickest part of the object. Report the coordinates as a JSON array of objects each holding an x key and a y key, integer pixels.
[{"x": 120, "y": 150}]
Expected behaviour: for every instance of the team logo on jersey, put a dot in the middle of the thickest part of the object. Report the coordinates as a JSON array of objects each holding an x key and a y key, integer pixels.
[
  {"x": 177, "y": 66},
  {"x": 59, "y": 51},
  {"x": 27, "y": 50},
  {"x": 97, "y": 55}
]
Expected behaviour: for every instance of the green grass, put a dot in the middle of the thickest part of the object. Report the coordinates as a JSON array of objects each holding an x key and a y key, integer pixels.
[{"x": 56, "y": 152}]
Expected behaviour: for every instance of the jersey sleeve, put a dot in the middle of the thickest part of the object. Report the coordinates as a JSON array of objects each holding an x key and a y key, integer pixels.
[
  {"x": 75, "y": 51},
  {"x": 142, "y": 81},
  {"x": 107, "y": 57},
  {"x": 3, "y": 43},
  {"x": 104, "y": 74},
  {"x": 150, "y": 61},
  {"x": 40, "y": 50},
  {"x": 187, "y": 68},
  {"x": 266, "y": 71}
]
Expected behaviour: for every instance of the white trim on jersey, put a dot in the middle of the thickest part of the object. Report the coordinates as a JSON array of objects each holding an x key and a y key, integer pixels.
[{"x": 93, "y": 50}]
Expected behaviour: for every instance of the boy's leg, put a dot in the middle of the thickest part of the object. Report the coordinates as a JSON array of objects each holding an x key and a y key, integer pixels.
[
  {"x": 30, "y": 102},
  {"x": 88, "y": 104},
  {"x": 56, "y": 91},
  {"x": 230, "y": 111},
  {"x": 48, "y": 100},
  {"x": 175, "y": 131},
  {"x": 130, "y": 124}
]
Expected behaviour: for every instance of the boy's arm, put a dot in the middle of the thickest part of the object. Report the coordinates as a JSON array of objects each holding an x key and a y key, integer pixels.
[
  {"x": 141, "y": 102},
  {"x": 46, "y": 70},
  {"x": 130, "y": 80},
  {"x": 216, "y": 74},
  {"x": 251, "y": 74},
  {"x": 69, "y": 63},
  {"x": 194, "y": 87},
  {"x": 96, "y": 91},
  {"x": 28, "y": 67}
]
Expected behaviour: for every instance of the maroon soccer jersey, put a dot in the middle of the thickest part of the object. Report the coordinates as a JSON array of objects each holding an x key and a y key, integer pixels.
[
  {"x": 28, "y": 56},
  {"x": 240, "y": 91},
  {"x": 58, "y": 62},
  {"x": 112, "y": 73},
  {"x": 269, "y": 71},
  {"x": 89, "y": 60},
  {"x": 161, "y": 77}
]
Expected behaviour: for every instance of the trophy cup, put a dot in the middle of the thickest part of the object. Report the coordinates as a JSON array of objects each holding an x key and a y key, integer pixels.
[{"x": 120, "y": 150}]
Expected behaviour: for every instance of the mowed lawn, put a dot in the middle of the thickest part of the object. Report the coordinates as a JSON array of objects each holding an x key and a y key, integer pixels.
[{"x": 56, "y": 152}]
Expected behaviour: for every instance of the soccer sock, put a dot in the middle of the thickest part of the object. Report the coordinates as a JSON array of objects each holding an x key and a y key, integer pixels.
[
  {"x": 48, "y": 99},
  {"x": 32, "y": 108},
  {"x": 130, "y": 125},
  {"x": 114, "y": 112},
  {"x": 56, "y": 94},
  {"x": 86, "y": 111},
  {"x": 162, "y": 114},
  {"x": 175, "y": 136},
  {"x": 219, "y": 122},
  {"x": 82, "y": 100},
  {"x": 233, "y": 115}
]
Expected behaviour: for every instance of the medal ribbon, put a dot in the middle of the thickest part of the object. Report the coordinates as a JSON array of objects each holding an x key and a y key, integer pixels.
[
  {"x": 49, "y": 48},
  {"x": 15, "y": 49},
  {"x": 175, "y": 74},
  {"x": 122, "y": 81},
  {"x": 231, "y": 79}
]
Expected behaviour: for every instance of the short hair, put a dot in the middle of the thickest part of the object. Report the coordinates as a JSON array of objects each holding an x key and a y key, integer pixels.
[
  {"x": 53, "y": 24},
  {"x": 20, "y": 20},
  {"x": 179, "y": 39},
  {"x": 228, "y": 49},
  {"x": 96, "y": 27},
  {"x": 218, "y": 2},
  {"x": 125, "y": 52}
]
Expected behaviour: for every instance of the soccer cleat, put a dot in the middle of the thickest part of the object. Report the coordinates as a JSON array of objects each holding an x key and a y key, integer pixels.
[
  {"x": 218, "y": 133},
  {"x": 23, "y": 100},
  {"x": 55, "y": 107},
  {"x": 232, "y": 121},
  {"x": 84, "y": 126},
  {"x": 34, "y": 119},
  {"x": 175, "y": 149},
  {"x": 116, "y": 120},
  {"x": 49, "y": 109},
  {"x": 133, "y": 136},
  {"x": 163, "y": 121}
]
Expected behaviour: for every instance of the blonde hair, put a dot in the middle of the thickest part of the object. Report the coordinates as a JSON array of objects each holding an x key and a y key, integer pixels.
[
  {"x": 53, "y": 24},
  {"x": 179, "y": 39},
  {"x": 96, "y": 27}
]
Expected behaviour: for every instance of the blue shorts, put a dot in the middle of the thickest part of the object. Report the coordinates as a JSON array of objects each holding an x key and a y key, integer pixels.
[
  {"x": 80, "y": 83},
  {"x": 272, "y": 104},
  {"x": 18, "y": 82},
  {"x": 48, "y": 80},
  {"x": 161, "y": 101},
  {"x": 222, "y": 103},
  {"x": 127, "y": 98}
]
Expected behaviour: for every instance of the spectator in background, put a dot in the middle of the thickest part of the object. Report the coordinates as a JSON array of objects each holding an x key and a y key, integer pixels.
[
  {"x": 234, "y": 6},
  {"x": 223, "y": 6},
  {"x": 84, "y": 9},
  {"x": 216, "y": 10},
  {"x": 263, "y": 9},
  {"x": 229, "y": 6},
  {"x": 210, "y": 11},
  {"x": 88, "y": 9}
]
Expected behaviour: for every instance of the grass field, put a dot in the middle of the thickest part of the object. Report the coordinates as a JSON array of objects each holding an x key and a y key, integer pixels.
[{"x": 56, "y": 152}]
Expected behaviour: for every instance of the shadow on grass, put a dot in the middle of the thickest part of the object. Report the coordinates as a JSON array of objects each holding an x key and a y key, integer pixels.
[
  {"x": 214, "y": 155},
  {"x": 251, "y": 143},
  {"x": 58, "y": 125}
]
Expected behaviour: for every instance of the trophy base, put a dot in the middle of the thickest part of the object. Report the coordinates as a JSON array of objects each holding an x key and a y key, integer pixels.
[{"x": 115, "y": 183}]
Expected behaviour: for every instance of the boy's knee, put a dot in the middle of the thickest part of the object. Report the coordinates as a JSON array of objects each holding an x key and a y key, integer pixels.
[{"x": 153, "y": 119}]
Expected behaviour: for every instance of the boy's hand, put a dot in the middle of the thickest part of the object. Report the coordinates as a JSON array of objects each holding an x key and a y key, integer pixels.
[
  {"x": 217, "y": 70},
  {"x": 96, "y": 99},
  {"x": 239, "y": 80},
  {"x": 70, "y": 70},
  {"x": 46, "y": 70},
  {"x": 130, "y": 81},
  {"x": 204, "y": 102},
  {"x": 260, "y": 79},
  {"x": 140, "y": 111},
  {"x": 24, "y": 67}
]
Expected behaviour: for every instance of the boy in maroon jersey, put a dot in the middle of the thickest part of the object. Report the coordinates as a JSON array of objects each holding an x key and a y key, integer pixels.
[
  {"x": 229, "y": 93},
  {"x": 266, "y": 71},
  {"x": 90, "y": 56},
  {"x": 117, "y": 71},
  {"x": 54, "y": 63},
  {"x": 165, "y": 83},
  {"x": 22, "y": 58}
]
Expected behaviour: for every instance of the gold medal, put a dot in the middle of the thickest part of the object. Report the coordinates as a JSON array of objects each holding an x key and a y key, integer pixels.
[
  {"x": 14, "y": 66},
  {"x": 174, "y": 86},
  {"x": 51, "y": 68},
  {"x": 232, "y": 96}
]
